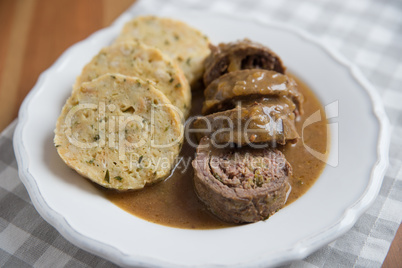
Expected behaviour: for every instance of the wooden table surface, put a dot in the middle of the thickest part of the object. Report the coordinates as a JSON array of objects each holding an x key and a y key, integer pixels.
[{"x": 34, "y": 33}]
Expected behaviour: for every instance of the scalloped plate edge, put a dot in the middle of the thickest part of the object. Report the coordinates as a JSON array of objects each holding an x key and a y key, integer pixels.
[{"x": 301, "y": 250}]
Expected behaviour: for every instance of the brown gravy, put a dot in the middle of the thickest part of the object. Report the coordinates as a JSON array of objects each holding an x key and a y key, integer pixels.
[{"x": 174, "y": 203}]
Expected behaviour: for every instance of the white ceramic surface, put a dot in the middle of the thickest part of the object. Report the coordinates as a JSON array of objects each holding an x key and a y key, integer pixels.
[{"x": 325, "y": 212}]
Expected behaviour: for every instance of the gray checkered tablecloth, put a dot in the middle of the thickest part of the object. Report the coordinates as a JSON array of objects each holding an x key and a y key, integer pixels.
[{"x": 368, "y": 33}]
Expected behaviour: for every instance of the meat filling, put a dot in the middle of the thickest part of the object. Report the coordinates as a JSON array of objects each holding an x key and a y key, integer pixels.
[
  {"x": 246, "y": 185},
  {"x": 240, "y": 55}
]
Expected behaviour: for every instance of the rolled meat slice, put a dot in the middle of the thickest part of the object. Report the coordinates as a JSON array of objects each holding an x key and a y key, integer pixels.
[
  {"x": 240, "y": 55},
  {"x": 246, "y": 185},
  {"x": 224, "y": 92},
  {"x": 266, "y": 120}
]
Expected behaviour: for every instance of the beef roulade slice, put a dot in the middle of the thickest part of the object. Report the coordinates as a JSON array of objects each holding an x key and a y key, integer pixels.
[
  {"x": 264, "y": 120},
  {"x": 246, "y": 185},
  {"x": 224, "y": 92},
  {"x": 245, "y": 54}
]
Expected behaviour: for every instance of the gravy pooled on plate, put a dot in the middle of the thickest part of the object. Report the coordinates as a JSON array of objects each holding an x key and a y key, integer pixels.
[{"x": 174, "y": 203}]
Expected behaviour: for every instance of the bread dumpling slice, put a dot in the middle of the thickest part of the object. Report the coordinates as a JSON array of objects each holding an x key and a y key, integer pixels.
[
  {"x": 188, "y": 46},
  {"x": 120, "y": 132},
  {"x": 149, "y": 63}
]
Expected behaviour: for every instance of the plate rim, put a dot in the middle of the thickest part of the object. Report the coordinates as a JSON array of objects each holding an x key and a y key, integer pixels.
[{"x": 300, "y": 250}]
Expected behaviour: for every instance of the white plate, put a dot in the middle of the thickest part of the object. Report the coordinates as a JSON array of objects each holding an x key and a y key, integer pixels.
[{"x": 325, "y": 212}]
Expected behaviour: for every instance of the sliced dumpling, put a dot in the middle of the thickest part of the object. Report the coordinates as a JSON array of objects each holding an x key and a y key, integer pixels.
[
  {"x": 149, "y": 63},
  {"x": 188, "y": 46},
  {"x": 120, "y": 132}
]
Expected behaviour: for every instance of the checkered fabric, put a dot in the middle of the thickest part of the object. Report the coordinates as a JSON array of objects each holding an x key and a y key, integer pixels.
[{"x": 367, "y": 32}]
